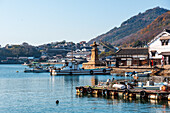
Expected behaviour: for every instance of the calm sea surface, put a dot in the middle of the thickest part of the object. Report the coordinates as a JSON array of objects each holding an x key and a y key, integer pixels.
[{"x": 37, "y": 92}]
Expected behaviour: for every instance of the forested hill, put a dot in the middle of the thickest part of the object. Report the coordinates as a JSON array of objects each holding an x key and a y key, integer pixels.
[
  {"x": 19, "y": 51},
  {"x": 145, "y": 35},
  {"x": 130, "y": 26}
]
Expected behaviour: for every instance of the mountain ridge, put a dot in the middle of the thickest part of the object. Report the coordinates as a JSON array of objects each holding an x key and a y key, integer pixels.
[
  {"x": 143, "y": 36},
  {"x": 130, "y": 26}
]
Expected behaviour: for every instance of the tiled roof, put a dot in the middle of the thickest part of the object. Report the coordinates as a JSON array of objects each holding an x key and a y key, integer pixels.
[
  {"x": 133, "y": 51},
  {"x": 165, "y": 53}
]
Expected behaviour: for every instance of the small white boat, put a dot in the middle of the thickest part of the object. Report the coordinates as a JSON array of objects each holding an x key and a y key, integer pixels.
[
  {"x": 119, "y": 86},
  {"x": 148, "y": 87},
  {"x": 138, "y": 74},
  {"x": 36, "y": 70},
  {"x": 151, "y": 85},
  {"x": 142, "y": 74},
  {"x": 130, "y": 73}
]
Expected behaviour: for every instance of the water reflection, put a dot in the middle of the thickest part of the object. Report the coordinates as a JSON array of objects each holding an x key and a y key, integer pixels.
[
  {"x": 71, "y": 79},
  {"x": 79, "y": 79},
  {"x": 94, "y": 80},
  {"x": 114, "y": 100}
]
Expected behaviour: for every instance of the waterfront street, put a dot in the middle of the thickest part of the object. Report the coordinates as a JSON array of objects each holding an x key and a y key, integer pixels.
[{"x": 164, "y": 71}]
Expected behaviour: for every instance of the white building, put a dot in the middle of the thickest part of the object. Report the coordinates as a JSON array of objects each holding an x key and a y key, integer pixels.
[
  {"x": 78, "y": 54},
  {"x": 159, "y": 47}
]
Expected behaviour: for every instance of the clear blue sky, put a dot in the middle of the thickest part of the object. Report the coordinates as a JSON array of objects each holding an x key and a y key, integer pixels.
[{"x": 43, "y": 21}]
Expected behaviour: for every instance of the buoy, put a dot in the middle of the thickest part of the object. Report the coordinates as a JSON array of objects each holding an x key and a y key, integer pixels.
[
  {"x": 57, "y": 101},
  {"x": 164, "y": 88},
  {"x": 17, "y": 71}
]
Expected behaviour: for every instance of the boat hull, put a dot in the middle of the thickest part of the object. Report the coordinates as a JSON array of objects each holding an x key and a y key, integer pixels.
[
  {"x": 138, "y": 74},
  {"x": 141, "y": 75},
  {"x": 81, "y": 72}
]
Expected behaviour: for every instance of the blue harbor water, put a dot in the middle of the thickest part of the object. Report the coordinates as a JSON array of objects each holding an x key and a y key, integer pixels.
[{"x": 38, "y": 92}]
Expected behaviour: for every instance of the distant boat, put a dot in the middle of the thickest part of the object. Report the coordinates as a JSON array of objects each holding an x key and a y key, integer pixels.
[{"x": 36, "y": 70}]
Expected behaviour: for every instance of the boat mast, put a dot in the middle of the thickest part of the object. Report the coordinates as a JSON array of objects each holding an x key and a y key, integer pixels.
[{"x": 72, "y": 54}]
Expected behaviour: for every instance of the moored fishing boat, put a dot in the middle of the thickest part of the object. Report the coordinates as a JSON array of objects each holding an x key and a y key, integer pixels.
[
  {"x": 142, "y": 74},
  {"x": 101, "y": 71},
  {"x": 36, "y": 70},
  {"x": 93, "y": 67},
  {"x": 138, "y": 74},
  {"x": 73, "y": 68}
]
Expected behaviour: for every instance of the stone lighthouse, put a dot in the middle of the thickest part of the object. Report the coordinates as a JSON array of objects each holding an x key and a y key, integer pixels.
[{"x": 94, "y": 62}]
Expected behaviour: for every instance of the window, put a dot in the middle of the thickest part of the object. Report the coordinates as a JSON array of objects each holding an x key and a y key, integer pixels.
[
  {"x": 153, "y": 53},
  {"x": 164, "y": 42}
]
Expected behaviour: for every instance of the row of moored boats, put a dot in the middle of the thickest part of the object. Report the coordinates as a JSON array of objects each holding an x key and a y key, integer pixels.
[{"x": 72, "y": 68}]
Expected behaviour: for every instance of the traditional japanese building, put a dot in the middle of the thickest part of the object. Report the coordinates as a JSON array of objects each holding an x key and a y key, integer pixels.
[
  {"x": 132, "y": 57},
  {"x": 159, "y": 48}
]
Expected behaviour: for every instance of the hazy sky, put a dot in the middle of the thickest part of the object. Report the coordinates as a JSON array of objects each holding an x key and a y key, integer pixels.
[{"x": 44, "y": 21}]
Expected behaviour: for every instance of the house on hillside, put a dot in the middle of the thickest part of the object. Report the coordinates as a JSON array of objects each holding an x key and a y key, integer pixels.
[
  {"x": 159, "y": 48},
  {"x": 132, "y": 57}
]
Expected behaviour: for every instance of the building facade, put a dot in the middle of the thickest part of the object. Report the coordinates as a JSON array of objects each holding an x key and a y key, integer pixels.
[
  {"x": 132, "y": 57},
  {"x": 159, "y": 48}
]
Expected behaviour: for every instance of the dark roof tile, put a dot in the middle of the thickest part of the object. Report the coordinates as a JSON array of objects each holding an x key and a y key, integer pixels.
[{"x": 133, "y": 51}]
